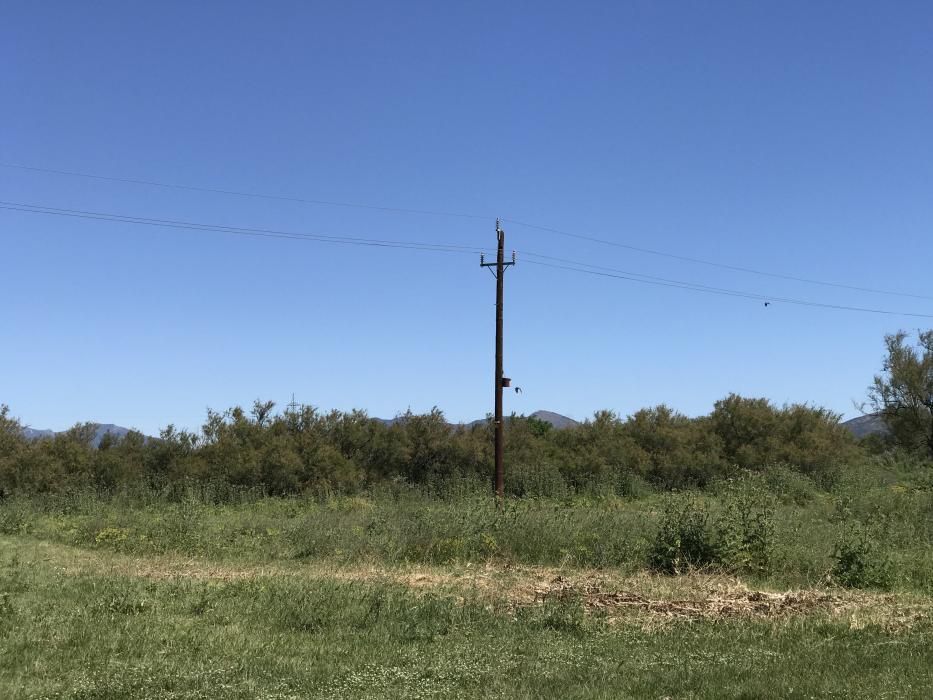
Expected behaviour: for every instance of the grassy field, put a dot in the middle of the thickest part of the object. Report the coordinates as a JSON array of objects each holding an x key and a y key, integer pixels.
[{"x": 405, "y": 595}]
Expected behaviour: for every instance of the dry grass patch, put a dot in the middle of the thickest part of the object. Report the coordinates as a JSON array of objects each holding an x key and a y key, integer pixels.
[
  {"x": 659, "y": 599},
  {"x": 643, "y": 597}
]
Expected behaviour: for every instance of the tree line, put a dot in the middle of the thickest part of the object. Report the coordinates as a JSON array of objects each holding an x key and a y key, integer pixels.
[{"x": 306, "y": 450}]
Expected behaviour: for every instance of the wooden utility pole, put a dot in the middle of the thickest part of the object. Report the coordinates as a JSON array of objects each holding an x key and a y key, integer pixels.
[{"x": 501, "y": 381}]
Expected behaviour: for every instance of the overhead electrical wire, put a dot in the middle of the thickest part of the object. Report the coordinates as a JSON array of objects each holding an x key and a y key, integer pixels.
[
  {"x": 238, "y": 230},
  {"x": 556, "y": 262},
  {"x": 240, "y": 193},
  {"x": 711, "y": 263},
  {"x": 462, "y": 215},
  {"x": 662, "y": 282}
]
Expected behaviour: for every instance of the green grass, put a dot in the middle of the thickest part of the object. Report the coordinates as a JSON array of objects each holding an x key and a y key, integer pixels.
[
  {"x": 897, "y": 522},
  {"x": 101, "y": 632},
  {"x": 403, "y": 595}
]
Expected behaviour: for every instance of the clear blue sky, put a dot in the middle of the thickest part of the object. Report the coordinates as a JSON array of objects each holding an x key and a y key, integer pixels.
[{"x": 795, "y": 137}]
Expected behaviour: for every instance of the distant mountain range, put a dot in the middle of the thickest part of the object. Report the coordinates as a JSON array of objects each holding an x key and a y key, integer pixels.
[
  {"x": 100, "y": 429},
  {"x": 870, "y": 424},
  {"x": 555, "y": 419},
  {"x": 118, "y": 431},
  {"x": 33, "y": 434}
]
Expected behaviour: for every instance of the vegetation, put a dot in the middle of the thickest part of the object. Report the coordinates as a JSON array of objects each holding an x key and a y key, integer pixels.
[
  {"x": 903, "y": 393},
  {"x": 878, "y": 520},
  {"x": 305, "y": 451},
  {"x": 309, "y": 452},
  {"x": 403, "y": 593},
  {"x": 755, "y": 551},
  {"x": 79, "y": 624}
]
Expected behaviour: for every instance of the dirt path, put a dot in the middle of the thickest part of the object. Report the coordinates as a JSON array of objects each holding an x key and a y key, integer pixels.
[{"x": 643, "y": 597}]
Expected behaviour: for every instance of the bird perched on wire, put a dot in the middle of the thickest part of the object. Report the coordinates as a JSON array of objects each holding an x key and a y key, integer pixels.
[
  {"x": 518, "y": 390},
  {"x": 767, "y": 303}
]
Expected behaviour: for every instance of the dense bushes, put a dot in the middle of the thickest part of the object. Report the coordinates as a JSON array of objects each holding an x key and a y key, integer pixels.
[
  {"x": 871, "y": 529},
  {"x": 684, "y": 540},
  {"x": 754, "y": 434},
  {"x": 860, "y": 560},
  {"x": 739, "y": 538},
  {"x": 308, "y": 451}
]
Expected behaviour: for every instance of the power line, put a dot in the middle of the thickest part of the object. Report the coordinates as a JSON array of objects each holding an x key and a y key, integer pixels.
[
  {"x": 236, "y": 230},
  {"x": 662, "y": 282},
  {"x": 711, "y": 263},
  {"x": 627, "y": 274},
  {"x": 240, "y": 193},
  {"x": 565, "y": 264},
  {"x": 462, "y": 215}
]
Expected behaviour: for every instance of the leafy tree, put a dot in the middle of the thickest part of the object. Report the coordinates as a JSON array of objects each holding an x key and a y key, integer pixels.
[
  {"x": 903, "y": 393},
  {"x": 262, "y": 411},
  {"x": 748, "y": 429},
  {"x": 594, "y": 452},
  {"x": 675, "y": 450},
  {"x": 812, "y": 439},
  {"x": 756, "y": 434},
  {"x": 12, "y": 444},
  {"x": 170, "y": 457},
  {"x": 427, "y": 444},
  {"x": 538, "y": 427},
  {"x": 11, "y": 432}
]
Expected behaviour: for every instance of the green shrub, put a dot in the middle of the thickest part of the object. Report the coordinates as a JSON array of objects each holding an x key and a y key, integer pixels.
[
  {"x": 859, "y": 560},
  {"x": 745, "y": 530},
  {"x": 788, "y": 485},
  {"x": 684, "y": 540},
  {"x": 14, "y": 517},
  {"x": 632, "y": 485},
  {"x": 539, "y": 480}
]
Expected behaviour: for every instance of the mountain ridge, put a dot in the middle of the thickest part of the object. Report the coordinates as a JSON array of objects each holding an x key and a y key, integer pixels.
[
  {"x": 100, "y": 430},
  {"x": 860, "y": 426},
  {"x": 557, "y": 420},
  {"x": 869, "y": 424}
]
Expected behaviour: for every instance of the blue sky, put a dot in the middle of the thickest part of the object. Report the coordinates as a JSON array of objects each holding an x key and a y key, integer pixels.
[{"x": 787, "y": 137}]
